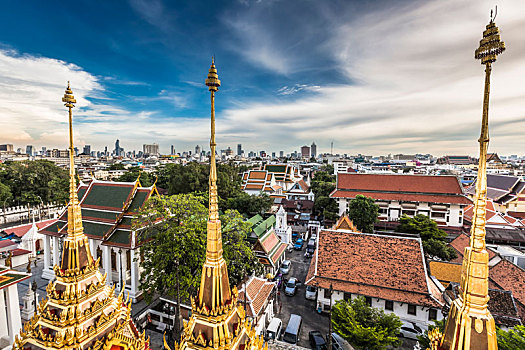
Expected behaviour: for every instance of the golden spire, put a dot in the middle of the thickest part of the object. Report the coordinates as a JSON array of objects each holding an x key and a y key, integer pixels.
[
  {"x": 470, "y": 325},
  {"x": 214, "y": 290},
  {"x": 76, "y": 252}
]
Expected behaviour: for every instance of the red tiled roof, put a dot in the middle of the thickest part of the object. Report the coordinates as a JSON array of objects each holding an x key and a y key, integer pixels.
[
  {"x": 420, "y": 188},
  {"x": 257, "y": 174},
  {"x": 460, "y": 243},
  {"x": 407, "y": 197},
  {"x": 378, "y": 266},
  {"x": 279, "y": 252},
  {"x": 270, "y": 242},
  {"x": 20, "y": 231},
  {"x": 400, "y": 183},
  {"x": 254, "y": 186},
  {"x": 505, "y": 275},
  {"x": 258, "y": 292},
  {"x": 6, "y": 243}
]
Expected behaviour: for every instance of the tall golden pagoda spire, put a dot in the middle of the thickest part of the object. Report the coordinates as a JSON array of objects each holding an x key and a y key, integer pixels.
[
  {"x": 470, "y": 324},
  {"x": 75, "y": 252},
  {"x": 80, "y": 310},
  {"x": 217, "y": 320}
]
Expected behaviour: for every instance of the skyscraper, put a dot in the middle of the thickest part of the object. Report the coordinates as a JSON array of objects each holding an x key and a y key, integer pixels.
[
  {"x": 87, "y": 149},
  {"x": 150, "y": 150},
  {"x": 305, "y": 152},
  {"x": 197, "y": 150},
  {"x": 118, "y": 150},
  {"x": 29, "y": 150},
  {"x": 281, "y": 154},
  {"x": 239, "y": 149},
  {"x": 313, "y": 150},
  {"x": 172, "y": 150}
]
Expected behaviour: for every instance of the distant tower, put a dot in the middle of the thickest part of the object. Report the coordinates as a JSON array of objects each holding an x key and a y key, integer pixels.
[
  {"x": 313, "y": 150},
  {"x": 197, "y": 150},
  {"x": 305, "y": 152},
  {"x": 172, "y": 150},
  {"x": 239, "y": 149},
  {"x": 281, "y": 227},
  {"x": 470, "y": 324},
  {"x": 117, "y": 148},
  {"x": 332, "y": 148}
]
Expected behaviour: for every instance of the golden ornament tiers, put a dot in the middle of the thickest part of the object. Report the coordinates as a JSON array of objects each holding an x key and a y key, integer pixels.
[
  {"x": 80, "y": 310},
  {"x": 470, "y": 324},
  {"x": 217, "y": 321}
]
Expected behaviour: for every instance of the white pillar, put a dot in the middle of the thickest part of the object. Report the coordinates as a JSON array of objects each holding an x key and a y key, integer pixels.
[
  {"x": 134, "y": 274},
  {"x": 92, "y": 248},
  {"x": 119, "y": 270},
  {"x": 13, "y": 312},
  {"x": 124, "y": 259},
  {"x": 106, "y": 262},
  {"x": 55, "y": 251},
  {"x": 47, "y": 252},
  {"x": 3, "y": 316}
]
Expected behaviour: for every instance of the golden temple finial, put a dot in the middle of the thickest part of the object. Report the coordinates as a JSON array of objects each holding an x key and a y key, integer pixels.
[
  {"x": 76, "y": 240},
  {"x": 470, "y": 324}
]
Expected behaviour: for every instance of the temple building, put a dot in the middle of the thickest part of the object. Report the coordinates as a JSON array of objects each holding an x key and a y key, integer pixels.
[
  {"x": 80, "y": 310},
  {"x": 217, "y": 319},
  {"x": 107, "y": 210}
]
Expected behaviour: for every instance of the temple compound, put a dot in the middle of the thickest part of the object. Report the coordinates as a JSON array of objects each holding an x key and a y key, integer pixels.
[
  {"x": 80, "y": 310},
  {"x": 217, "y": 320}
]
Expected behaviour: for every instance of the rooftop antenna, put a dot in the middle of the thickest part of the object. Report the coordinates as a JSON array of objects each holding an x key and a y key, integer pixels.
[{"x": 493, "y": 12}]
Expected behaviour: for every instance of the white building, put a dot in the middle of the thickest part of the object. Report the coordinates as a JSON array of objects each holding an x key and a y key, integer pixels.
[
  {"x": 281, "y": 227},
  {"x": 389, "y": 271},
  {"x": 440, "y": 197}
]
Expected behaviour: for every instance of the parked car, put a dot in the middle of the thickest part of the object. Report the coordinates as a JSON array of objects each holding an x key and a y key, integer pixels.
[
  {"x": 338, "y": 343},
  {"x": 311, "y": 293},
  {"x": 295, "y": 234},
  {"x": 310, "y": 247},
  {"x": 298, "y": 244},
  {"x": 291, "y": 286},
  {"x": 291, "y": 335},
  {"x": 273, "y": 332},
  {"x": 285, "y": 267},
  {"x": 410, "y": 331},
  {"x": 317, "y": 341}
]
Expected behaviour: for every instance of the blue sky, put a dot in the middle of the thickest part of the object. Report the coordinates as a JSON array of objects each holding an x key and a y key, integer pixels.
[{"x": 374, "y": 77}]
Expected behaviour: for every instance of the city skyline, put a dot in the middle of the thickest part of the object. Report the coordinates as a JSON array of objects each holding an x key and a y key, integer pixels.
[{"x": 374, "y": 78}]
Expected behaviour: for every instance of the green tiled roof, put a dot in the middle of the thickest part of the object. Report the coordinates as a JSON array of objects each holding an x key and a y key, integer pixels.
[
  {"x": 107, "y": 195},
  {"x": 120, "y": 236},
  {"x": 95, "y": 229},
  {"x": 255, "y": 220},
  {"x": 8, "y": 278},
  {"x": 99, "y": 214},
  {"x": 81, "y": 192},
  {"x": 274, "y": 168},
  {"x": 138, "y": 201},
  {"x": 264, "y": 226},
  {"x": 126, "y": 221}
]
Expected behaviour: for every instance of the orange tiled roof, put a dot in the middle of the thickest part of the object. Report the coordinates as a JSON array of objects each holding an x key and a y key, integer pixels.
[
  {"x": 460, "y": 243},
  {"x": 378, "y": 266},
  {"x": 258, "y": 292},
  {"x": 270, "y": 242},
  {"x": 254, "y": 186},
  {"x": 445, "y": 272},
  {"x": 258, "y": 174},
  {"x": 507, "y": 276}
]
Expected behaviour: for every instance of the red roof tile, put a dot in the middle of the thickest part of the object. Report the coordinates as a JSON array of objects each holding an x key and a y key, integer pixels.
[
  {"x": 400, "y": 183},
  {"x": 505, "y": 275},
  {"x": 373, "y": 265},
  {"x": 20, "y": 231},
  {"x": 407, "y": 197},
  {"x": 460, "y": 243}
]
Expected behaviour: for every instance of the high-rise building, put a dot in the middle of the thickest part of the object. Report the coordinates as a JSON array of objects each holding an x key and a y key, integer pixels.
[
  {"x": 273, "y": 154},
  {"x": 172, "y": 150},
  {"x": 119, "y": 151},
  {"x": 76, "y": 151},
  {"x": 6, "y": 148},
  {"x": 305, "y": 152},
  {"x": 239, "y": 149},
  {"x": 313, "y": 150},
  {"x": 150, "y": 150},
  {"x": 106, "y": 151},
  {"x": 87, "y": 149},
  {"x": 197, "y": 150},
  {"x": 281, "y": 154},
  {"x": 29, "y": 150},
  {"x": 44, "y": 151}
]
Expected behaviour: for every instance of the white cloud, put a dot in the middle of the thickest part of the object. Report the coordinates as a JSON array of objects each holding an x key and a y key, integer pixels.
[{"x": 416, "y": 86}]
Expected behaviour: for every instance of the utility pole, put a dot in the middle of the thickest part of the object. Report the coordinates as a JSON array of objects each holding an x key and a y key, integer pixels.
[{"x": 329, "y": 336}]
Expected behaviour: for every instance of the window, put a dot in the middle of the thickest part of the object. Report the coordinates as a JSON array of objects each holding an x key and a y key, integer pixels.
[
  {"x": 347, "y": 296},
  {"x": 368, "y": 301},
  {"x": 432, "y": 314},
  {"x": 389, "y": 305},
  {"x": 411, "y": 309}
]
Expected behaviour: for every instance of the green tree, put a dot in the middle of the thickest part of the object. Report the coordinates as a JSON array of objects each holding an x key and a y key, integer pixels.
[
  {"x": 5, "y": 194},
  {"x": 146, "y": 179},
  {"x": 323, "y": 183},
  {"x": 33, "y": 182},
  {"x": 423, "y": 340},
  {"x": 172, "y": 234},
  {"x": 365, "y": 327},
  {"x": 248, "y": 205},
  {"x": 511, "y": 339},
  {"x": 433, "y": 238},
  {"x": 363, "y": 211},
  {"x": 116, "y": 166}
]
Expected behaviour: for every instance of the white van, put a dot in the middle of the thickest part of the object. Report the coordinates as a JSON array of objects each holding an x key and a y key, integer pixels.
[
  {"x": 291, "y": 335},
  {"x": 273, "y": 332}
]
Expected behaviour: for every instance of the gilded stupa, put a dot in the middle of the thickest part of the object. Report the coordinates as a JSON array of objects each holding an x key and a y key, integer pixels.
[
  {"x": 217, "y": 320},
  {"x": 80, "y": 310},
  {"x": 470, "y": 324}
]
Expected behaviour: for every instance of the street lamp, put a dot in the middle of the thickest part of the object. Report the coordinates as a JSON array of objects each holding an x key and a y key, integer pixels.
[{"x": 33, "y": 288}]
